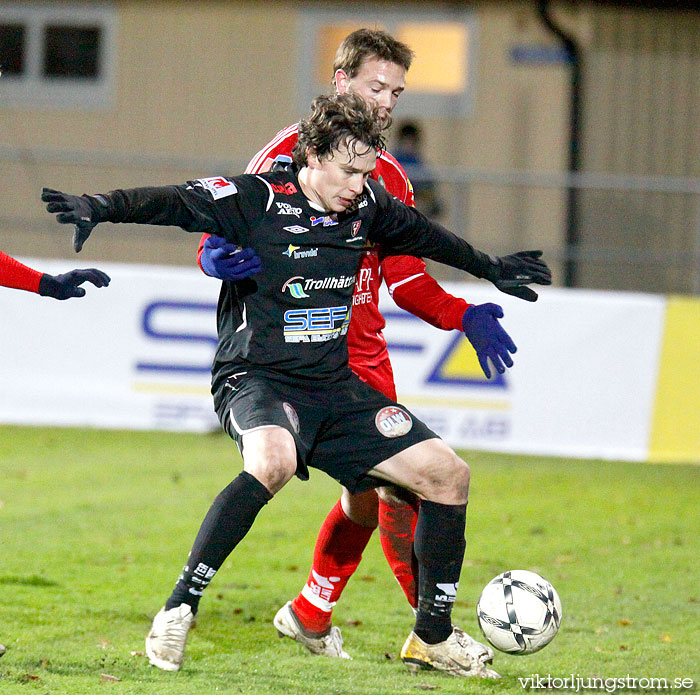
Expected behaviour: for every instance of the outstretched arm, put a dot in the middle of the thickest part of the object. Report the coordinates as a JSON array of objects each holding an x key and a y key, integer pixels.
[
  {"x": 166, "y": 205},
  {"x": 403, "y": 230},
  {"x": 19, "y": 276}
]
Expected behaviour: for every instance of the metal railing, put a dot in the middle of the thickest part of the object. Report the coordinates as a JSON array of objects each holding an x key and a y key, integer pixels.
[{"x": 636, "y": 232}]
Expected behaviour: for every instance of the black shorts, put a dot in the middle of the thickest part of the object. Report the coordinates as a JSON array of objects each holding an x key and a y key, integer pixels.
[{"x": 344, "y": 428}]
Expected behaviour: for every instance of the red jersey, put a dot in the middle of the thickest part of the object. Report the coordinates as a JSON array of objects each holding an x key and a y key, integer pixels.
[
  {"x": 17, "y": 275},
  {"x": 406, "y": 277}
]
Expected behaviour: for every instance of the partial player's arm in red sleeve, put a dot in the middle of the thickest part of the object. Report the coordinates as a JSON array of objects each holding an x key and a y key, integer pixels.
[
  {"x": 200, "y": 249},
  {"x": 18, "y": 276},
  {"x": 418, "y": 293}
]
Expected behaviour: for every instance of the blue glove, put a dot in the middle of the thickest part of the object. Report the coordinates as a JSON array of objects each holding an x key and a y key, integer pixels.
[
  {"x": 485, "y": 333},
  {"x": 226, "y": 261},
  {"x": 68, "y": 285}
]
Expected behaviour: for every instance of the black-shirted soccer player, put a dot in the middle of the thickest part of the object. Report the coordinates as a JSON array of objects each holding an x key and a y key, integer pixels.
[{"x": 280, "y": 379}]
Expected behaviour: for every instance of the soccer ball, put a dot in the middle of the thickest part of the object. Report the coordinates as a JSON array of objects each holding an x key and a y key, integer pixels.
[{"x": 519, "y": 612}]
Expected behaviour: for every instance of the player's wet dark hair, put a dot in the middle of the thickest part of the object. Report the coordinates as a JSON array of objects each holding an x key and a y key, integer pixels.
[
  {"x": 370, "y": 43},
  {"x": 335, "y": 120}
]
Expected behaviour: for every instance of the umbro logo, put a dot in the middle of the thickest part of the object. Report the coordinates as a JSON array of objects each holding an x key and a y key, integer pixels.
[{"x": 295, "y": 229}]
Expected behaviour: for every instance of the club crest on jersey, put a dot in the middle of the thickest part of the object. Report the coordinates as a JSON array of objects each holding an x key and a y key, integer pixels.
[
  {"x": 295, "y": 288},
  {"x": 326, "y": 221},
  {"x": 291, "y": 416},
  {"x": 218, "y": 186},
  {"x": 287, "y": 209},
  {"x": 355, "y": 228},
  {"x": 393, "y": 421}
]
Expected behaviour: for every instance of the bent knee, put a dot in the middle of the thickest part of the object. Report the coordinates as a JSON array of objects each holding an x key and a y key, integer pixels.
[
  {"x": 456, "y": 473},
  {"x": 448, "y": 478},
  {"x": 270, "y": 456},
  {"x": 274, "y": 474}
]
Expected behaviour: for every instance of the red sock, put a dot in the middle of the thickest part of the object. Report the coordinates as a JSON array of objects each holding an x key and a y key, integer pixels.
[
  {"x": 397, "y": 527},
  {"x": 337, "y": 554}
]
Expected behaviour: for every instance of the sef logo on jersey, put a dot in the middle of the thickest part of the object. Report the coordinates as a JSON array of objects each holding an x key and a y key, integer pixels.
[
  {"x": 218, "y": 186},
  {"x": 315, "y": 325}
]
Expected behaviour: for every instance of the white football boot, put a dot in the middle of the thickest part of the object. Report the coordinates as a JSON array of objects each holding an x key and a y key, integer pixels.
[
  {"x": 458, "y": 655},
  {"x": 165, "y": 643},
  {"x": 329, "y": 643}
]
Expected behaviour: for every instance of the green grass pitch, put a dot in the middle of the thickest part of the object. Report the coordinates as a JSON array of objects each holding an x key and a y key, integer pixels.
[{"x": 95, "y": 526}]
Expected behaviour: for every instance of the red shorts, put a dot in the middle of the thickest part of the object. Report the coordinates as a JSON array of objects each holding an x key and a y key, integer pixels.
[{"x": 379, "y": 377}]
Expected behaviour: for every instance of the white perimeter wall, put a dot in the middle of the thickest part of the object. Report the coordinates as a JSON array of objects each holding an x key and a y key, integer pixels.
[{"x": 137, "y": 355}]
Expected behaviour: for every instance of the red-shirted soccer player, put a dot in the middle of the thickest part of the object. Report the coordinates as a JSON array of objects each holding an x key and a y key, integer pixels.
[
  {"x": 373, "y": 65},
  {"x": 18, "y": 276}
]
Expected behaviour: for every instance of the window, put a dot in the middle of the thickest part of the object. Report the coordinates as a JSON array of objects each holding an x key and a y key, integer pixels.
[
  {"x": 441, "y": 79},
  {"x": 12, "y": 47},
  {"x": 61, "y": 56},
  {"x": 71, "y": 52}
]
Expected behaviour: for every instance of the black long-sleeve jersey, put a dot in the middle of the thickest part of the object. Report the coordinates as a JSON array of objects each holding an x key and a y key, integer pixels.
[{"x": 293, "y": 318}]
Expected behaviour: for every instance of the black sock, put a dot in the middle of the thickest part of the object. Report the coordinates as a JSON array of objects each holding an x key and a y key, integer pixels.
[
  {"x": 439, "y": 545},
  {"x": 226, "y": 523}
]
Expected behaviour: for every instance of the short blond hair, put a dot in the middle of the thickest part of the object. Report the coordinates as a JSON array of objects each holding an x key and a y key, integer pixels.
[{"x": 370, "y": 43}]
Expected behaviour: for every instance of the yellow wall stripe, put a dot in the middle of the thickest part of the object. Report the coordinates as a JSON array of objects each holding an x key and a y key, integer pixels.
[{"x": 675, "y": 432}]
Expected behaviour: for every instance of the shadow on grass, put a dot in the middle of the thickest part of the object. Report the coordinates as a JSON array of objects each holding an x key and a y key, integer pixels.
[{"x": 31, "y": 580}]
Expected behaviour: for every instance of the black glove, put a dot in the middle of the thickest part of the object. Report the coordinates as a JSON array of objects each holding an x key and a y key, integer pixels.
[
  {"x": 512, "y": 274},
  {"x": 80, "y": 210},
  {"x": 67, "y": 285}
]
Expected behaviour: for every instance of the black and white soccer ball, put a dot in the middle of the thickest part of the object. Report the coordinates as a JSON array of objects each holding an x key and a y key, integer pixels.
[{"x": 519, "y": 612}]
